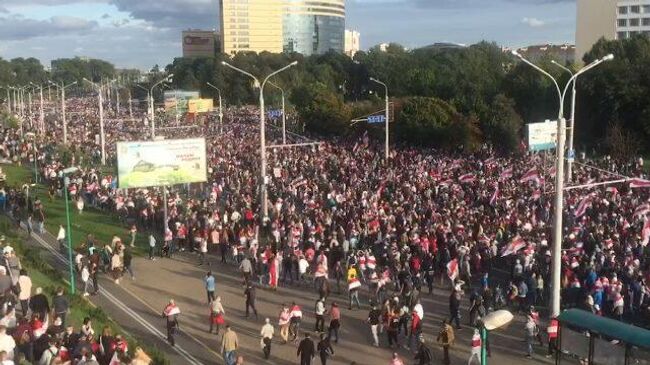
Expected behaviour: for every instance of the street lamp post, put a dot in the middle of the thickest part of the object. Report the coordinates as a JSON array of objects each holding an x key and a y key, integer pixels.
[
  {"x": 220, "y": 107},
  {"x": 569, "y": 172},
  {"x": 265, "y": 207},
  {"x": 66, "y": 182},
  {"x": 101, "y": 118},
  {"x": 65, "y": 124},
  {"x": 284, "y": 120},
  {"x": 386, "y": 148},
  {"x": 556, "y": 258},
  {"x": 153, "y": 112},
  {"x": 41, "y": 117}
]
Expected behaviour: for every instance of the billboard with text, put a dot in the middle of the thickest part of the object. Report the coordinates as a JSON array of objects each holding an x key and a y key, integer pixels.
[
  {"x": 541, "y": 136},
  {"x": 157, "y": 163}
]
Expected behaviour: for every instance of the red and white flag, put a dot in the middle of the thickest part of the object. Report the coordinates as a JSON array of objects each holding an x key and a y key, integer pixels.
[
  {"x": 171, "y": 309},
  {"x": 515, "y": 245},
  {"x": 552, "y": 171},
  {"x": 495, "y": 196},
  {"x": 353, "y": 283},
  {"x": 467, "y": 178},
  {"x": 642, "y": 209},
  {"x": 645, "y": 233},
  {"x": 581, "y": 209},
  {"x": 639, "y": 183},
  {"x": 530, "y": 175},
  {"x": 506, "y": 174},
  {"x": 452, "y": 269},
  {"x": 612, "y": 189},
  {"x": 536, "y": 194}
]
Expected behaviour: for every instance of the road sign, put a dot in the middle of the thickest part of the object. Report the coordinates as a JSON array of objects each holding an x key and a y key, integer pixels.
[
  {"x": 376, "y": 119},
  {"x": 571, "y": 155},
  {"x": 274, "y": 113}
]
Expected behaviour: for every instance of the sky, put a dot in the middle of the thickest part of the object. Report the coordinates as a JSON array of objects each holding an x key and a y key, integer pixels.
[{"x": 142, "y": 33}]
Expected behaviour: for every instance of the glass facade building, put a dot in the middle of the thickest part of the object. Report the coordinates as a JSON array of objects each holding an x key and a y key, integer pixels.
[{"x": 313, "y": 27}]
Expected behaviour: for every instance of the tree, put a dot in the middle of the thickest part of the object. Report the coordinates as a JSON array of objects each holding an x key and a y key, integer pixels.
[
  {"x": 502, "y": 125},
  {"x": 321, "y": 110}
]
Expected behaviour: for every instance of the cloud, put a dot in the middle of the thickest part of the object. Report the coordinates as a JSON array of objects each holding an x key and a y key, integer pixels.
[
  {"x": 533, "y": 22},
  {"x": 177, "y": 14},
  {"x": 105, "y": 16},
  {"x": 16, "y": 27},
  {"x": 10, "y": 3}
]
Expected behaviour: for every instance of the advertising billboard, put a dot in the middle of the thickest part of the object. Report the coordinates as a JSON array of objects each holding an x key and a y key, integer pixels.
[
  {"x": 166, "y": 162},
  {"x": 181, "y": 97},
  {"x": 541, "y": 136},
  {"x": 199, "y": 106}
]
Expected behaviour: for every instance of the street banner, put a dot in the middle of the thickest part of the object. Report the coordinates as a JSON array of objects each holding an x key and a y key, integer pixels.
[
  {"x": 158, "y": 163},
  {"x": 199, "y": 106}
]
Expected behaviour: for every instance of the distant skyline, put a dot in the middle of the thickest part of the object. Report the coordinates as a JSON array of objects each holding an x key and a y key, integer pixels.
[{"x": 142, "y": 33}]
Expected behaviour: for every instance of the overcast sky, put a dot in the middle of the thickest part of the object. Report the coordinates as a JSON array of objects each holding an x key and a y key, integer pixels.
[{"x": 141, "y": 33}]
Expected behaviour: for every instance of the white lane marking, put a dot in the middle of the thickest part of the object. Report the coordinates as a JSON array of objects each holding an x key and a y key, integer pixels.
[{"x": 123, "y": 306}]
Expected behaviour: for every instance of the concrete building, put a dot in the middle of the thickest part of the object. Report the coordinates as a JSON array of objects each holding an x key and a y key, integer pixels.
[
  {"x": 200, "y": 43},
  {"x": 609, "y": 19},
  {"x": 303, "y": 26},
  {"x": 352, "y": 42},
  {"x": 251, "y": 25},
  {"x": 562, "y": 53}
]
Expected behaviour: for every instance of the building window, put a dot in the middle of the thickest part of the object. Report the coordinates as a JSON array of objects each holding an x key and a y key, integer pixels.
[
  {"x": 621, "y": 35},
  {"x": 634, "y": 22},
  {"x": 646, "y": 32},
  {"x": 635, "y": 9},
  {"x": 622, "y": 22},
  {"x": 646, "y": 9},
  {"x": 622, "y": 9},
  {"x": 646, "y": 22},
  {"x": 633, "y": 33}
]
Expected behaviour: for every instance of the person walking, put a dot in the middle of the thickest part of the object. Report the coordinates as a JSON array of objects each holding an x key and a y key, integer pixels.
[
  {"x": 454, "y": 307},
  {"x": 423, "y": 355},
  {"x": 320, "y": 315},
  {"x": 353, "y": 290},
  {"x": 267, "y": 337},
  {"x": 127, "y": 261},
  {"x": 530, "y": 334},
  {"x": 283, "y": 322},
  {"x": 61, "y": 305},
  {"x": 446, "y": 339},
  {"x": 210, "y": 285},
  {"x": 335, "y": 322},
  {"x": 325, "y": 349},
  {"x": 373, "y": 320},
  {"x": 170, "y": 313},
  {"x": 246, "y": 269},
  {"x": 296, "y": 318},
  {"x": 306, "y": 350},
  {"x": 229, "y": 344},
  {"x": 250, "y": 299},
  {"x": 216, "y": 315},
  {"x": 152, "y": 247},
  {"x": 476, "y": 348},
  {"x": 552, "y": 336}
]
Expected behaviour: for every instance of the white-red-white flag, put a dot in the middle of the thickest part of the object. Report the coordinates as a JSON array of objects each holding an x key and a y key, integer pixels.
[
  {"x": 506, "y": 174},
  {"x": 612, "y": 189},
  {"x": 536, "y": 194},
  {"x": 495, "y": 196},
  {"x": 581, "y": 209},
  {"x": 639, "y": 183},
  {"x": 452, "y": 269},
  {"x": 530, "y": 175},
  {"x": 467, "y": 178},
  {"x": 515, "y": 245}
]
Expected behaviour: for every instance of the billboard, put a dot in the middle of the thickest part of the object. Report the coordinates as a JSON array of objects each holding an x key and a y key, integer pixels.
[
  {"x": 541, "y": 136},
  {"x": 199, "y": 106},
  {"x": 166, "y": 162},
  {"x": 181, "y": 97}
]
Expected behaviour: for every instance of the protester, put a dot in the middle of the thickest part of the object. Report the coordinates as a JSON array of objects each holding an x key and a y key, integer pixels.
[{"x": 267, "y": 337}]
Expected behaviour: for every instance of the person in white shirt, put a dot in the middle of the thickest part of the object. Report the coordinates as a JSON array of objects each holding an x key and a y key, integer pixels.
[
  {"x": 7, "y": 343},
  {"x": 267, "y": 335},
  {"x": 320, "y": 313},
  {"x": 25, "y": 283}
]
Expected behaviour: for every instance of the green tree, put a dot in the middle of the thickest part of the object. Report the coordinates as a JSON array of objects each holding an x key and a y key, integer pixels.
[
  {"x": 321, "y": 110},
  {"x": 502, "y": 125}
]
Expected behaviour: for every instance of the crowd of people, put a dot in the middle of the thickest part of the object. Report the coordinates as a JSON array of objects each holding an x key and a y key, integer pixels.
[{"x": 340, "y": 218}]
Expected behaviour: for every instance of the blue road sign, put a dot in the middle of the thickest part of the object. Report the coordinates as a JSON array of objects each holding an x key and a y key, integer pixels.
[{"x": 375, "y": 119}]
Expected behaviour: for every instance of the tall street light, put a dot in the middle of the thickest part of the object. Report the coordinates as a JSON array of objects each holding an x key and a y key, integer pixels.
[
  {"x": 265, "y": 207},
  {"x": 556, "y": 258},
  {"x": 66, "y": 182},
  {"x": 284, "y": 119},
  {"x": 220, "y": 107},
  {"x": 386, "y": 150},
  {"x": 101, "y": 118},
  {"x": 62, "y": 87},
  {"x": 153, "y": 112},
  {"x": 41, "y": 117},
  {"x": 8, "y": 101},
  {"x": 148, "y": 98}
]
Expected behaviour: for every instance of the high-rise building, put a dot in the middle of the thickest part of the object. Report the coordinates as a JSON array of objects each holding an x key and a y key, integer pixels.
[
  {"x": 352, "y": 40},
  {"x": 200, "y": 43},
  {"x": 251, "y": 25},
  {"x": 303, "y": 26},
  {"x": 609, "y": 19}
]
